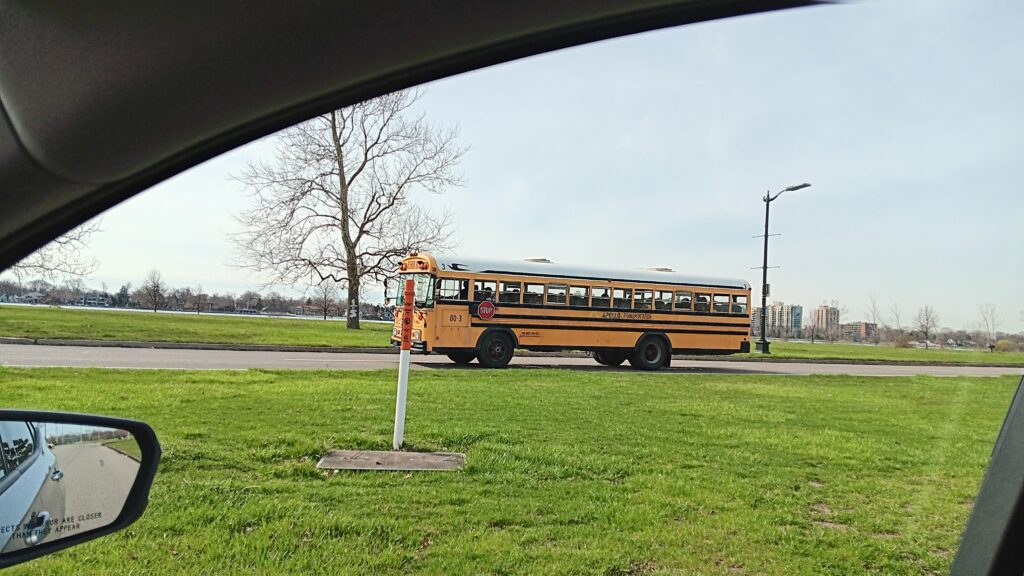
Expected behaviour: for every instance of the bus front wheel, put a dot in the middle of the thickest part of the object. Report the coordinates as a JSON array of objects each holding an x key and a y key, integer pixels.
[
  {"x": 462, "y": 356},
  {"x": 495, "y": 350},
  {"x": 609, "y": 358},
  {"x": 651, "y": 354}
]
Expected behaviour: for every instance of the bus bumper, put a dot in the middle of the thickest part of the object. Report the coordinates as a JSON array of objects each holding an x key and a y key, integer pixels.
[{"x": 418, "y": 346}]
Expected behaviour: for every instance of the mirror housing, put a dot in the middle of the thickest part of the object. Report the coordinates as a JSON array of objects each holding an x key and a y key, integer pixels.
[{"x": 52, "y": 462}]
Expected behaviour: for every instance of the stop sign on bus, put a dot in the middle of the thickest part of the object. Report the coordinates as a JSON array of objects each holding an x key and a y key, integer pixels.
[{"x": 485, "y": 310}]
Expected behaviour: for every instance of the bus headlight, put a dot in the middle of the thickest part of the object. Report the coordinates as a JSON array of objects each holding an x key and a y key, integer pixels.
[{"x": 416, "y": 335}]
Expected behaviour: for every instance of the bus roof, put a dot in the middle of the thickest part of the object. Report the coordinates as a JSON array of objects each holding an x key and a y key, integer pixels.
[{"x": 451, "y": 262}]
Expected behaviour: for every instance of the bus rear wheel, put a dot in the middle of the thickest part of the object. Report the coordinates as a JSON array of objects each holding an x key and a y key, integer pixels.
[
  {"x": 609, "y": 358},
  {"x": 651, "y": 354},
  {"x": 494, "y": 350},
  {"x": 462, "y": 356}
]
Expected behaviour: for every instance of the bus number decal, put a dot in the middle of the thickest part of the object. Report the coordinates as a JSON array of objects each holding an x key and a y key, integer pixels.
[{"x": 455, "y": 318}]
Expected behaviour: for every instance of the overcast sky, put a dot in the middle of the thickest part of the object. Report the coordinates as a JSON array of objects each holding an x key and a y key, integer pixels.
[{"x": 655, "y": 150}]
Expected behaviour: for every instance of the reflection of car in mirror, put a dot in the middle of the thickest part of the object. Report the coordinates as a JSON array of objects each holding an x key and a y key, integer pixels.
[
  {"x": 30, "y": 489},
  {"x": 68, "y": 478},
  {"x": 61, "y": 480}
]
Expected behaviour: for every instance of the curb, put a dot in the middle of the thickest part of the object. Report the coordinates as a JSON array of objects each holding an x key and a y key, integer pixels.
[
  {"x": 194, "y": 346},
  {"x": 524, "y": 353}
]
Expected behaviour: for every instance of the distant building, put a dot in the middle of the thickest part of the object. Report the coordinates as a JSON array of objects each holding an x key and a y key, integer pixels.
[
  {"x": 858, "y": 331},
  {"x": 32, "y": 298},
  {"x": 826, "y": 320},
  {"x": 782, "y": 319},
  {"x": 796, "y": 318},
  {"x": 101, "y": 299},
  {"x": 755, "y": 322}
]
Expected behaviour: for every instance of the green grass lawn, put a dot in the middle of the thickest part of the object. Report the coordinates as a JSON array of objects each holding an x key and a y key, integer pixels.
[
  {"x": 567, "y": 473},
  {"x": 838, "y": 351},
  {"x": 129, "y": 446},
  {"x": 44, "y": 322}
]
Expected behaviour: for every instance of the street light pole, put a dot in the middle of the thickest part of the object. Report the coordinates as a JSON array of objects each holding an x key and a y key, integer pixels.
[
  {"x": 768, "y": 198},
  {"x": 763, "y": 344}
]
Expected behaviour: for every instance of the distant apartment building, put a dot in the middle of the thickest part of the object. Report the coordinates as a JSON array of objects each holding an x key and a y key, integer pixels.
[
  {"x": 826, "y": 320},
  {"x": 782, "y": 319},
  {"x": 858, "y": 331},
  {"x": 755, "y": 322}
]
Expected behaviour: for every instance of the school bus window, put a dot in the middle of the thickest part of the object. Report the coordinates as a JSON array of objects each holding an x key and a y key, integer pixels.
[
  {"x": 662, "y": 300},
  {"x": 703, "y": 303},
  {"x": 601, "y": 297},
  {"x": 721, "y": 303},
  {"x": 453, "y": 289},
  {"x": 556, "y": 293},
  {"x": 739, "y": 304},
  {"x": 643, "y": 299},
  {"x": 533, "y": 294},
  {"x": 510, "y": 292},
  {"x": 484, "y": 290},
  {"x": 684, "y": 300},
  {"x": 623, "y": 297},
  {"x": 578, "y": 296}
]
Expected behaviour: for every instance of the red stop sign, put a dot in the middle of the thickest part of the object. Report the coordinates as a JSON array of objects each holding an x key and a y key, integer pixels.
[{"x": 485, "y": 310}]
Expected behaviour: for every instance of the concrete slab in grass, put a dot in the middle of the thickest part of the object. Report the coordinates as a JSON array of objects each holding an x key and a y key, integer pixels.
[{"x": 382, "y": 460}]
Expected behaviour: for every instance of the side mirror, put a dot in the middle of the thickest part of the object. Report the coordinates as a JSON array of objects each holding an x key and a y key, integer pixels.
[{"x": 69, "y": 478}]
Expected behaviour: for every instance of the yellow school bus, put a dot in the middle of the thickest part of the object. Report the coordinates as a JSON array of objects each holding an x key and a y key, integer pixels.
[{"x": 475, "y": 309}]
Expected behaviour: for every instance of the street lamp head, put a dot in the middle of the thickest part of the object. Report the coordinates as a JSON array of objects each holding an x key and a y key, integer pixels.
[{"x": 797, "y": 187}]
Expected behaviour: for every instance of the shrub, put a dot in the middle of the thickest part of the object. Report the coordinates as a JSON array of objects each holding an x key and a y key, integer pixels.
[
  {"x": 1005, "y": 345},
  {"x": 902, "y": 340}
]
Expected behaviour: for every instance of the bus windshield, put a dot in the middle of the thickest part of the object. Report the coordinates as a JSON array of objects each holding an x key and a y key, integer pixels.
[{"x": 424, "y": 285}]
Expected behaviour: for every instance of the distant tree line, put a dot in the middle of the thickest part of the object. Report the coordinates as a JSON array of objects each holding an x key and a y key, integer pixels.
[{"x": 154, "y": 293}]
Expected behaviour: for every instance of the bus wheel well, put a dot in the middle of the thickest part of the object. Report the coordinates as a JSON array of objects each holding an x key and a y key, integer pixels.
[
  {"x": 660, "y": 335},
  {"x": 507, "y": 331}
]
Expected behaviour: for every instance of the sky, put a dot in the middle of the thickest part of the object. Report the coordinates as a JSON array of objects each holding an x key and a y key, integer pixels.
[{"x": 655, "y": 150}]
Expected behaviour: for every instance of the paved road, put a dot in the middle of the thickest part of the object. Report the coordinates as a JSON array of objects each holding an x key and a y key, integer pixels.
[
  {"x": 81, "y": 356},
  {"x": 96, "y": 481}
]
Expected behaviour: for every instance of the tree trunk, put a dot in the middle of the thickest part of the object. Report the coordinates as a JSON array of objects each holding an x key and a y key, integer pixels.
[{"x": 353, "y": 295}]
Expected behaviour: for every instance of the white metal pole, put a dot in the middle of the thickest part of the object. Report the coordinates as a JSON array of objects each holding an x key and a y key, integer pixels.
[
  {"x": 403, "y": 388},
  {"x": 409, "y": 296}
]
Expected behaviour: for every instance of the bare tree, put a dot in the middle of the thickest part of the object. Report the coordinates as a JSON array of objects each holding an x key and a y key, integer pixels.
[
  {"x": 152, "y": 291},
  {"x": 874, "y": 314},
  {"x": 989, "y": 320},
  {"x": 812, "y": 328},
  {"x": 62, "y": 258},
  {"x": 325, "y": 296},
  {"x": 896, "y": 316},
  {"x": 198, "y": 298},
  {"x": 335, "y": 204},
  {"x": 75, "y": 287},
  {"x": 927, "y": 323}
]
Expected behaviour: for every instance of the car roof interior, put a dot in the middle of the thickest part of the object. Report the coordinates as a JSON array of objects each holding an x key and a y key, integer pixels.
[{"x": 102, "y": 100}]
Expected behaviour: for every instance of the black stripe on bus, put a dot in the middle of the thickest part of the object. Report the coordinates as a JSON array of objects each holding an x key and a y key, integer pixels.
[
  {"x": 637, "y": 330},
  {"x": 619, "y": 320},
  {"x": 598, "y": 279},
  {"x": 499, "y": 305}
]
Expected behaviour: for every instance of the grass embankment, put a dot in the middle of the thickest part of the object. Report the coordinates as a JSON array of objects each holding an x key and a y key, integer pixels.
[
  {"x": 881, "y": 353},
  {"x": 42, "y": 322},
  {"x": 568, "y": 472},
  {"x": 128, "y": 446}
]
